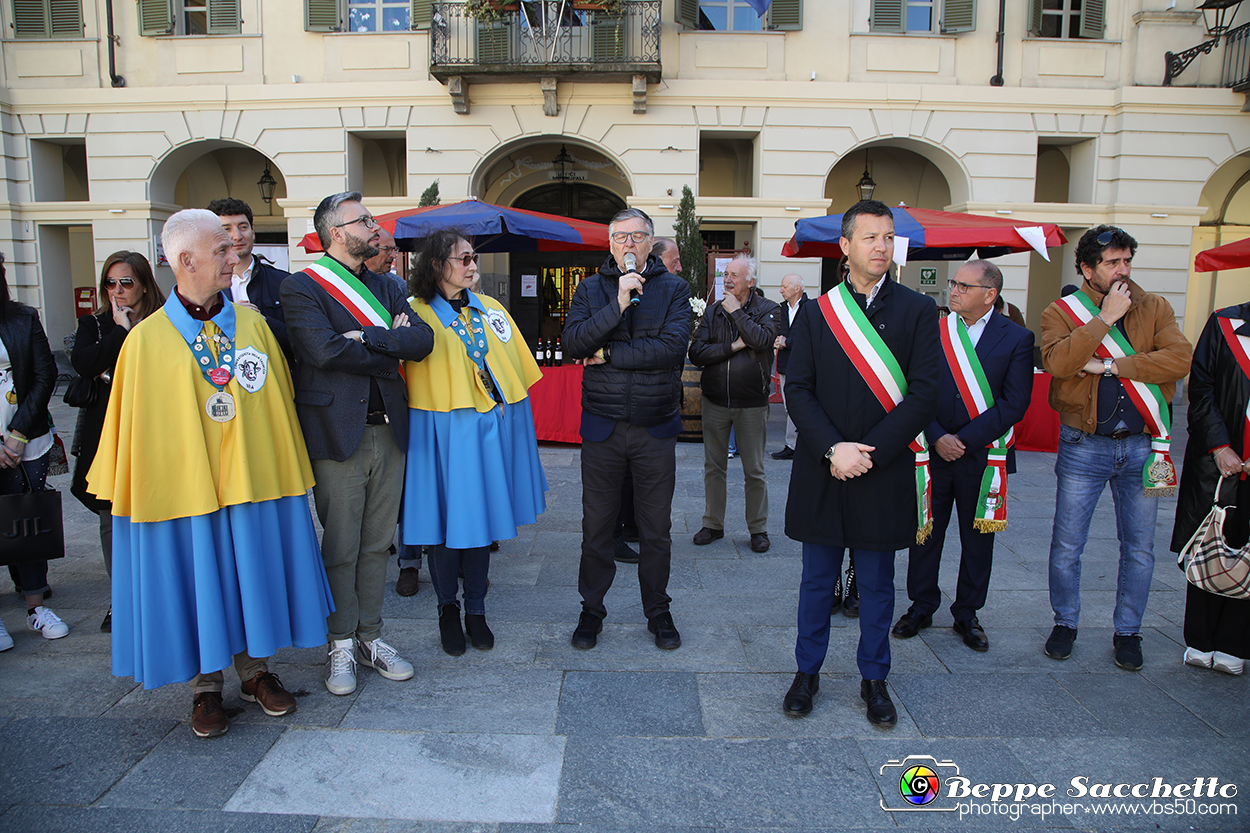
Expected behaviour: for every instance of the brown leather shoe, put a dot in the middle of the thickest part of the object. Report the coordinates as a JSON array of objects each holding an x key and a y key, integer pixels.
[
  {"x": 266, "y": 689},
  {"x": 707, "y": 535},
  {"x": 208, "y": 718},
  {"x": 408, "y": 582},
  {"x": 760, "y": 542}
]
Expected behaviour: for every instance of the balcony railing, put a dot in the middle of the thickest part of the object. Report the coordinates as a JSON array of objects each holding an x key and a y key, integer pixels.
[
  {"x": 546, "y": 37},
  {"x": 1237, "y": 59}
]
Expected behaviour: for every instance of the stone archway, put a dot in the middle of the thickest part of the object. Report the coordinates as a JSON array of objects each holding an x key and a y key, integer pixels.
[
  {"x": 1226, "y": 198},
  {"x": 516, "y": 168},
  {"x": 194, "y": 174}
]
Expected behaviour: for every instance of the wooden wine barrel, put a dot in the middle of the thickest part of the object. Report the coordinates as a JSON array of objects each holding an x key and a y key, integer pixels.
[{"x": 691, "y": 405}]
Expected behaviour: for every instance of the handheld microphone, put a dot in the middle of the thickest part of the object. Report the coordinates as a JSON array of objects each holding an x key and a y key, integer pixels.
[{"x": 631, "y": 265}]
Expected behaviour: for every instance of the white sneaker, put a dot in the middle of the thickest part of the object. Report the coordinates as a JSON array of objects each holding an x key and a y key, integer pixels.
[
  {"x": 1198, "y": 659},
  {"x": 1228, "y": 663},
  {"x": 6, "y": 641},
  {"x": 341, "y": 667},
  {"x": 377, "y": 654},
  {"x": 47, "y": 623}
]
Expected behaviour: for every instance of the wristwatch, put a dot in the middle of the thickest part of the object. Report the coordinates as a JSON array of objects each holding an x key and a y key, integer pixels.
[
  {"x": 829, "y": 453},
  {"x": 1106, "y": 367}
]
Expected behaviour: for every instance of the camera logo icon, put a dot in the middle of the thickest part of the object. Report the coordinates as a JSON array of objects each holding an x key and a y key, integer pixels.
[
  {"x": 918, "y": 781},
  {"x": 919, "y": 785}
]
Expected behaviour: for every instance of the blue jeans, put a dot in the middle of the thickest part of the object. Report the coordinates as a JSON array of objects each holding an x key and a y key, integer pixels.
[
  {"x": 445, "y": 566},
  {"x": 1086, "y": 464}
]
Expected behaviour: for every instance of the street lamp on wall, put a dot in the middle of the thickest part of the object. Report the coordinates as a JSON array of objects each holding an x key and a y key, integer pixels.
[
  {"x": 866, "y": 187},
  {"x": 266, "y": 184},
  {"x": 1217, "y": 16}
]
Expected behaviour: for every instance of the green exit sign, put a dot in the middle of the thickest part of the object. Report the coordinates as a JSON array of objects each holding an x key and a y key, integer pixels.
[{"x": 928, "y": 277}]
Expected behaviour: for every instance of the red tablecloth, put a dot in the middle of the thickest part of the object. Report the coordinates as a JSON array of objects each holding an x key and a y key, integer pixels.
[
  {"x": 556, "y": 400},
  {"x": 1039, "y": 430}
]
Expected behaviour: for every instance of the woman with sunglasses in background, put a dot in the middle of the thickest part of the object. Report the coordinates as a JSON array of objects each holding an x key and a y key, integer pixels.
[
  {"x": 128, "y": 294},
  {"x": 473, "y": 472}
]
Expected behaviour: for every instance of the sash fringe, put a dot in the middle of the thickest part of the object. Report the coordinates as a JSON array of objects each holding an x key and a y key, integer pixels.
[
  {"x": 923, "y": 533},
  {"x": 1160, "y": 491},
  {"x": 988, "y": 525}
]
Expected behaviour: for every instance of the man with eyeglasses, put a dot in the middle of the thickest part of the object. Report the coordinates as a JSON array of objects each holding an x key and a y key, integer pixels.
[
  {"x": 633, "y": 354},
  {"x": 1115, "y": 353},
  {"x": 351, "y": 330},
  {"x": 257, "y": 283},
  {"x": 383, "y": 263},
  {"x": 984, "y": 389}
]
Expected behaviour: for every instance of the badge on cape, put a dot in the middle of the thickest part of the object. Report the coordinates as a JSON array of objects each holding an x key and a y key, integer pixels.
[
  {"x": 498, "y": 322},
  {"x": 220, "y": 407},
  {"x": 251, "y": 367}
]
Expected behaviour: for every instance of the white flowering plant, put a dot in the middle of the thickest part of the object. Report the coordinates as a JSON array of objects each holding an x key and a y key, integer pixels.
[{"x": 697, "y": 307}]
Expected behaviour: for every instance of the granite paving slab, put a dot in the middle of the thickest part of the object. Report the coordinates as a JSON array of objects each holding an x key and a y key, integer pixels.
[
  {"x": 26, "y": 817},
  {"x": 992, "y": 705},
  {"x": 1220, "y": 701},
  {"x": 630, "y": 703},
  {"x": 1130, "y": 705},
  {"x": 629, "y": 646},
  {"x": 410, "y": 775}
]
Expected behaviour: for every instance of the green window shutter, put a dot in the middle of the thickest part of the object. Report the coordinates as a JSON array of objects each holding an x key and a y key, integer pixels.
[
  {"x": 30, "y": 19},
  {"x": 67, "y": 18},
  {"x": 886, "y": 16},
  {"x": 687, "y": 13},
  {"x": 1093, "y": 18},
  {"x": 959, "y": 16},
  {"x": 786, "y": 15},
  {"x": 224, "y": 17},
  {"x": 1035, "y": 18},
  {"x": 421, "y": 10},
  {"x": 156, "y": 17},
  {"x": 322, "y": 16}
]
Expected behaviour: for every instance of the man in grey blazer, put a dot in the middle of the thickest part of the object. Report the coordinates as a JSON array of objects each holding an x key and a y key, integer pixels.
[{"x": 351, "y": 330}]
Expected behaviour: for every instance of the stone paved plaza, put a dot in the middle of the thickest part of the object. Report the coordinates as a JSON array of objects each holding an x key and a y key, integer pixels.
[{"x": 539, "y": 737}]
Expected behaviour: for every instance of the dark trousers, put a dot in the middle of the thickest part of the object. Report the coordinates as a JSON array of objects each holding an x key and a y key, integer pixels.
[
  {"x": 874, "y": 575},
  {"x": 625, "y": 518},
  {"x": 654, "y": 466},
  {"x": 960, "y": 487},
  {"x": 445, "y": 567}
]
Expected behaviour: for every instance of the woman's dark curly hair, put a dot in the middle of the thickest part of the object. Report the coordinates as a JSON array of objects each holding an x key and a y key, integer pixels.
[{"x": 430, "y": 259}]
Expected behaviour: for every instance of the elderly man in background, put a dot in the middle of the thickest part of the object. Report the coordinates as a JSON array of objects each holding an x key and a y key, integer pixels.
[
  {"x": 794, "y": 296},
  {"x": 734, "y": 346},
  {"x": 665, "y": 248}
]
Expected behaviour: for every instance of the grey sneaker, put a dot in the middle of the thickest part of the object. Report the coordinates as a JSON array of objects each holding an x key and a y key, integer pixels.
[
  {"x": 341, "y": 667},
  {"x": 385, "y": 659}
]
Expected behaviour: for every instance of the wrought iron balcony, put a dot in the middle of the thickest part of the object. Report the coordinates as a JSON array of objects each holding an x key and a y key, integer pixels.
[
  {"x": 1237, "y": 59},
  {"x": 547, "y": 38}
]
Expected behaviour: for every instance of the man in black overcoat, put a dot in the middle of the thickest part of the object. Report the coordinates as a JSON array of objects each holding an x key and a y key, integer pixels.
[{"x": 853, "y": 485}]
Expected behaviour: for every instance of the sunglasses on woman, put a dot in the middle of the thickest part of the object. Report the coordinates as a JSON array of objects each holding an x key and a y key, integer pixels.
[
  {"x": 126, "y": 283},
  {"x": 465, "y": 259}
]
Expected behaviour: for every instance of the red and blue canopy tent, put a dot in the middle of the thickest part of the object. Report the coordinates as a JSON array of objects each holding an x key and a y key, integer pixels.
[
  {"x": 932, "y": 235},
  {"x": 493, "y": 228},
  {"x": 1229, "y": 256}
]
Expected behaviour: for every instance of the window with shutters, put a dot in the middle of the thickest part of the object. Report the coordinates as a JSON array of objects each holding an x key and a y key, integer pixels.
[
  {"x": 47, "y": 18},
  {"x": 189, "y": 17},
  {"x": 739, "y": 15},
  {"x": 922, "y": 16},
  {"x": 1067, "y": 18},
  {"x": 379, "y": 15}
]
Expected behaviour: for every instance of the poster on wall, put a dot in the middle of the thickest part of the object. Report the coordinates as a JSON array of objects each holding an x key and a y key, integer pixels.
[
  {"x": 529, "y": 286},
  {"x": 720, "y": 264}
]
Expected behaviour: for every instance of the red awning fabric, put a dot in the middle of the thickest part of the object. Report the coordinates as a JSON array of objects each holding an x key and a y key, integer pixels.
[{"x": 1229, "y": 256}]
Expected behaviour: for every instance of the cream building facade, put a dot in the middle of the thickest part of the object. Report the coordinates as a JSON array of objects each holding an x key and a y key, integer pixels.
[{"x": 766, "y": 126}]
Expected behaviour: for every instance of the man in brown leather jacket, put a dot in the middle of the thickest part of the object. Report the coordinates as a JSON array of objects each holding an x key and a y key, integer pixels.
[
  {"x": 1116, "y": 354},
  {"x": 734, "y": 346}
]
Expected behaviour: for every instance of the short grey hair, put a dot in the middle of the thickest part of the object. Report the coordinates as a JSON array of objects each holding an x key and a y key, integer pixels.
[
  {"x": 990, "y": 274},
  {"x": 631, "y": 214},
  {"x": 661, "y": 245},
  {"x": 328, "y": 214},
  {"x": 753, "y": 265},
  {"x": 182, "y": 231},
  {"x": 794, "y": 279}
]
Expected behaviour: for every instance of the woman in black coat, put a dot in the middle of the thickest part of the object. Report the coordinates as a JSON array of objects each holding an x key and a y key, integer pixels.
[
  {"x": 128, "y": 294},
  {"x": 1217, "y": 628},
  {"x": 27, "y": 376}
]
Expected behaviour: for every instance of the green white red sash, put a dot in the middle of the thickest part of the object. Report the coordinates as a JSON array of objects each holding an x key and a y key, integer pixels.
[
  {"x": 347, "y": 289},
  {"x": 881, "y": 371},
  {"x": 1240, "y": 346},
  {"x": 974, "y": 389},
  {"x": 1159, "y": 475}
]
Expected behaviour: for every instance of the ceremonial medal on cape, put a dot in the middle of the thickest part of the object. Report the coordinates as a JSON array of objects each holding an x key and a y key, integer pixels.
[{"x": 220, "y": 407}]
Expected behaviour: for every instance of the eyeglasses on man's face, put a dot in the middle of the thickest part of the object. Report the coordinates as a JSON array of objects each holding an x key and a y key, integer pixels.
[
  {"x": 465, "y": 259},
  {"x": 636, "y": 236},
  {"x": 365, "y": 220},
  {"x": 960, "y": 286},
  {"x": 126, "y": 283},
  {"x": 388, "y": 250}
]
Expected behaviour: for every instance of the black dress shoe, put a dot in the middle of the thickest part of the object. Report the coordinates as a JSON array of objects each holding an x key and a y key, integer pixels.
[
  {"x": 449, "y": 630},
  {"x": 786, "y": 453},
  {"x": 479, "y": 632},
  {"x": 586, "y": 634},
  {"x": 666, "y": 635},
  {"x": 909, "y": 624},
  {"x": 623, "y": 552},
  {"x": 850, "y": 604},
  {"x": 973, "y": 634},
  {"x": 798, "y": 700},
  {"x": 881, "y": 710},
  {"x": 760, "y": 542},
  {"x": 706, "y": 535}
]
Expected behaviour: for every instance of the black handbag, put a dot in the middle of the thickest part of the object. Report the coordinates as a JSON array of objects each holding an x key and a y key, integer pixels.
[
  {"x": 84, "y": 391},
  {"x": 31, "y": 527}
]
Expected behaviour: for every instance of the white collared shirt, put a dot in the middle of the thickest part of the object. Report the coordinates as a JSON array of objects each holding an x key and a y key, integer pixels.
[
  {"x": 873, "y": 292},
  {"x": 238, "y": 284},
  {"x": 977, "y": 328}
]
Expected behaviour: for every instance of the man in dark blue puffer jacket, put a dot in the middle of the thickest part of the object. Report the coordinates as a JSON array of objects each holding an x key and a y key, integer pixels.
[{"x": 633, "y": 349}]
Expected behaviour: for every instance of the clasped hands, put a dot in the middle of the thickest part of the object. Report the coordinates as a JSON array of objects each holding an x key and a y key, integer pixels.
[
  {"x": 850, "y": 460},
  {"x": 400, "y": 320}
]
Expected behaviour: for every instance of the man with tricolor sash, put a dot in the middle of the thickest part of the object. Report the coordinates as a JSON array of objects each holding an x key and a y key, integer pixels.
[
  {"x": 1116, "y": 354},
  {"x": 987, "y": 380},
  {"x": 861, "y": 385},
  {"x": 351, "y": 332}
]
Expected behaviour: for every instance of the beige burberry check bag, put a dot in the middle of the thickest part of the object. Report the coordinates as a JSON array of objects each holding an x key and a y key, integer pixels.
[{"x": 1210, "y": 563}]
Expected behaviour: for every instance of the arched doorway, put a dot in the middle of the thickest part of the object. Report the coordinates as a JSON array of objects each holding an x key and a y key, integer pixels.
[
  {"x": 1226, "y": 197},
  {"x": 539, "y": 312}
]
